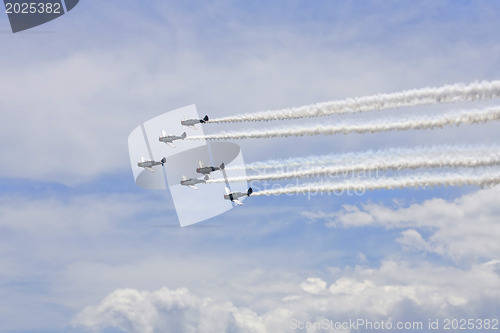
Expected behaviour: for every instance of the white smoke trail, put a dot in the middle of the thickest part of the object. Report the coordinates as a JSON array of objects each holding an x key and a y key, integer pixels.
[
  {"x": 421, "y": 122},
  {"x": 445, "y": 94},
  {"x": 370, "y": 156},
  {"x": 416, "y": 181},
  {"x": 407, "y": 162}
]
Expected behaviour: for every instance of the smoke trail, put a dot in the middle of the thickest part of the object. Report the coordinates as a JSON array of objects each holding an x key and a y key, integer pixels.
[
  {"x": 422, "y": 180},
  {"x": 363, "y": 157},
  {"x": 421, "y": 122},
  {"x": 445, "y": 94},
  {"x": 408, "y": 162}
]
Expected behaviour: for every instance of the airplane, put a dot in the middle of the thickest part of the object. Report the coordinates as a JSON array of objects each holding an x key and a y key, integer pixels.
[
  {"x": 169, "y": 138},
  {"x": 149, "y": 164},
  {"x": 206, "y": 170},
  {"x": 191, "y": 122},
  {"x": 193, "y": 181},
  {"x": 234, "y": 196}
]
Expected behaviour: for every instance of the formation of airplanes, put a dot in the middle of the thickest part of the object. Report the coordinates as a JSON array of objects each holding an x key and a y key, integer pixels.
[{"x": 204, "y": 170}]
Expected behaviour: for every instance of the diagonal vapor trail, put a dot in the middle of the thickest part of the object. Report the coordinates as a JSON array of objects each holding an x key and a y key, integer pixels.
[
  {"x": 421, "y": 122},
  {"x": 370, "y": 156},
  {"x": 445, "y": 94},
  {"x": 416, "y": 181},
  {"x": 408, "y": 162}
]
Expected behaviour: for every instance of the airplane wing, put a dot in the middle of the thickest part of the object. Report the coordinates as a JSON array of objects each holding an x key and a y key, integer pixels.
[
  {"x": 149, "y": 169},
  {"x": 192, "y": 126},
  {"x": 170, "y": 144},
  {"x": 228, "y": 191},
  {"x": 236, "y": 201},
  {"x": 193, "y": 187}
]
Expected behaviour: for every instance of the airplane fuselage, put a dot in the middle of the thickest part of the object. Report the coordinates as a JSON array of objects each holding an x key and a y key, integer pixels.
[
  {"x": 169, "y": 138},
  {"x": 234, "y": 196},
  {"x": 192, "y": 181},
  {"x": 191, "y": 122},
  {"x": 207, "y": 170},
  {"x": 148, "y": 164}
]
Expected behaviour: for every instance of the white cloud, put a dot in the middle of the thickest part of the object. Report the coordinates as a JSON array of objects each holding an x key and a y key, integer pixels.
[
  {"x": 379, "y": 294},
  {"x": 255, "y": 289},
  {"x": 167, "y": 311},
  {"x": 464, "y": 229},
  {"x": 43, "y": 237},
  {"x": 71, "y": 250},
  {"x": 412, "y": 239},
  {"x": 313, "y": 285}
]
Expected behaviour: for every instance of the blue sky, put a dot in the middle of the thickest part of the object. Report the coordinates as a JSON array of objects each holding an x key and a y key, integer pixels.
[{"x": 82, "y": 248}]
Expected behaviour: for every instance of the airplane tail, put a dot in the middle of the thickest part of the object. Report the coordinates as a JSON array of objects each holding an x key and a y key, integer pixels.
[
  {"x": 207, "y": 177},
  {"x": 250, "y": 191},
  {"x": 163, "y": 161},
  {"x": 183, "y": 135},
  {"x": 222, "y": 166},
  {"x": 205, "y": 119}
]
